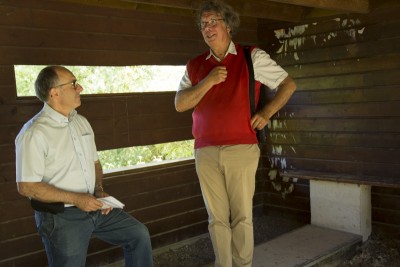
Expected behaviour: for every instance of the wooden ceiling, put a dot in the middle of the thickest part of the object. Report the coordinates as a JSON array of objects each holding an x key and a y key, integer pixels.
[{"x": 271, "y": 10}]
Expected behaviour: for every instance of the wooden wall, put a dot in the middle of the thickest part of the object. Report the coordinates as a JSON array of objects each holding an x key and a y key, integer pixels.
[
  {"x": 166, "y": 198},
  {"x": 345, "y": 115},
  {"x": 342, "y": 119}
]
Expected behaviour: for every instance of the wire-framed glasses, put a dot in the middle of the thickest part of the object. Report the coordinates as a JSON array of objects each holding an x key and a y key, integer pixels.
[
  {"x": 211, "y": 23},
  {"x": 74, "y": 84}
]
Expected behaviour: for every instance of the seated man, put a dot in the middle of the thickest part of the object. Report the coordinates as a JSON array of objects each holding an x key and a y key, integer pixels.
[{"x": 58, "y": 168}]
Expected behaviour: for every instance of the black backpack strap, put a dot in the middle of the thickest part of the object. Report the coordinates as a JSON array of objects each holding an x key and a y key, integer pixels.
[
  {"x": 261, "y": 135},
  {"x": 247, "y": 54}
]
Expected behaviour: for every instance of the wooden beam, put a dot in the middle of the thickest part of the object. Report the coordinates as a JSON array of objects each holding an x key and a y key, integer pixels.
[
  {"x": 355, "y": 6},
  {"x": 252, "y": 8}
]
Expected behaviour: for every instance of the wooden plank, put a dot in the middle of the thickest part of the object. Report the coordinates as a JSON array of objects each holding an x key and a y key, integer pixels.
[
  {"x": 248, "y": 9},
  {"x": 146, "y": 180},
  {"x": 62, "y": 40},
  {"x": 298, "y": 203},
  {"x": 15, "y": 209},
  {"x": 46, "y": 56},
  {"x": 7, "y": 77},
  {"x": 335, "y": 166},
  {"x": 167, "y": 210},
  {"x": 348, "y": 153},
  {"x": 17, "y": 115},
  {"x": 357, "y": 6},
  {"x": 141, "y": 123},
  {"x": 386, "y": 201},
  {"x": 343, "y": 178},
  {"x": 347, "y": 95},
  {"x": 9, "y": 192},
  {"x": 160, "y": 136},
  {"x": 7, "y": 155},
  {"x": 359, "y": 125},
  {"x": 385, "y": 192},
  {"x": 332, "y": 33},
  {"x": 16, "y": 247},
  {"x": 7, "y": 173},
  {"x": 345, "y": 66},
  {"x": 185, "y": 192},
  {"x": 391, "y": 217},
  {"x": 175, "y": 222},
  {"x": 171, "y": 27},
  {"x": 346, "y": 110},
  {"x": 180, "y": 234},
  {"x": 91, "y": 21},
  {"x": 349, "y": 51},
  {"x": 372, "y": 140},
  {"x": 152, "y": 103},
  {"x": 37, "y": 258},
  {"x": 18, "y": 228},
  {"x": 371, "y": 79},
  {"x": 9, "y": 132}
]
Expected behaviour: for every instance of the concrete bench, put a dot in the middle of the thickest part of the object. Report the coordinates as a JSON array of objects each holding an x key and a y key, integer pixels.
[{"x": 341, "y": 201}]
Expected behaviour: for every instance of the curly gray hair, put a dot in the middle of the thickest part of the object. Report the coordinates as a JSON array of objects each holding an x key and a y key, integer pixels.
[{"x": 230, "y": 16}]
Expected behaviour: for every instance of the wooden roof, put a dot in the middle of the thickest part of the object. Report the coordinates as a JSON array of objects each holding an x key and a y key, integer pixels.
[{"x": 271, "y": 10}]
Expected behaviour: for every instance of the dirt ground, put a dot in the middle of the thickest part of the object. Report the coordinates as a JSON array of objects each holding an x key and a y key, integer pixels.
[{"x": 379, "y": 251}]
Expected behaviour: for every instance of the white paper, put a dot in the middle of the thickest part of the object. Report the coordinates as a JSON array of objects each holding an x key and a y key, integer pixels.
[{"x": 111, "y": 202}]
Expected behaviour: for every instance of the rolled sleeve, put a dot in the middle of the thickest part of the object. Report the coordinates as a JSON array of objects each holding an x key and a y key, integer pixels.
[
  {"x": 185, "y": 82},
  {"x": 266, "y": 70}
]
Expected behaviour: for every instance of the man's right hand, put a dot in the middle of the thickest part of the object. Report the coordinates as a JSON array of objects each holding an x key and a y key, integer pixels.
[
  {"x": 217, "y": 75},
  {"x": 87, "y": 202}
]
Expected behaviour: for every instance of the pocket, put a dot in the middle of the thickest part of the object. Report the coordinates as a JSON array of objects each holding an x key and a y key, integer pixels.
[{"x": 44, "y": 223}]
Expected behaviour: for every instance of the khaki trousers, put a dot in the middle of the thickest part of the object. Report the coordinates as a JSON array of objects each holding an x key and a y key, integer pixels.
[{"x": 227, "y": 180}]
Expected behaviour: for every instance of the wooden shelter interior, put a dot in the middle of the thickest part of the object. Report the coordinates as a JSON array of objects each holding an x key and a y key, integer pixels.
[{"x": 343, "y": 119}]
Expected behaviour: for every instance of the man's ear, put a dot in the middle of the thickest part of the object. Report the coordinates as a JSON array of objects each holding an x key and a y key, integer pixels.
[
  {"x": 53, "y": 92},
  {"x": 229, "y": 31}
]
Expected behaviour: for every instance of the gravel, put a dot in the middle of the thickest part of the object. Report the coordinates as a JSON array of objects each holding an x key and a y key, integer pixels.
[{"x": 379, "y": 250}]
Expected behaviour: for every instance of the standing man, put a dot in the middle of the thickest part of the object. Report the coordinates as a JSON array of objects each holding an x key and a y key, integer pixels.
[
  {"x": 58, "y": 168},
  {"x": 216, "y": 86}
]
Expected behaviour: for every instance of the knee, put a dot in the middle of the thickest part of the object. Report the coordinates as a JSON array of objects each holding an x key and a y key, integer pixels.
[
  {"x": 144, "y": 232},
  {"x": 142, "y": 235}
]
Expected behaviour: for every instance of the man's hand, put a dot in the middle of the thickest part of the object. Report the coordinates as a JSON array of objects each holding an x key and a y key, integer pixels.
[
  {"x": 217, "y": 75},
  {"x": 99, "y": 194},
  {"x": 258, "y": 121},
  {"x": 87, "y": 202}
]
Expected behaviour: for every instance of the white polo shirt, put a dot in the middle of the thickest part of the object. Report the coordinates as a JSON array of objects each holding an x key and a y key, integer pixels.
[{"x": 57, "y": 150}]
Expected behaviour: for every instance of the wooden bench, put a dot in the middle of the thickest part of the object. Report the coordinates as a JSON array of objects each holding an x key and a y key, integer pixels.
[
  {"x": 343, "y": 178},
  {"x": 341, "y": 201}
]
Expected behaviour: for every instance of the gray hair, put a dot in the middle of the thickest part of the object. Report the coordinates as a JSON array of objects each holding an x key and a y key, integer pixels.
[{"x": 230, "y": 16}]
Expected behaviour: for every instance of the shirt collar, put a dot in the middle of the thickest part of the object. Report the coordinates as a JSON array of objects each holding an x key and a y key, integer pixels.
[
  {"x": 231, "y": 50},
  {"x": 58, "y": 117}
]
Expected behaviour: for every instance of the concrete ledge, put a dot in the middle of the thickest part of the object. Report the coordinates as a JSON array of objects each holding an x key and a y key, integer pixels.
[
  {"x": 307, "y": 246},
  {"x": 341, "y": 206}
]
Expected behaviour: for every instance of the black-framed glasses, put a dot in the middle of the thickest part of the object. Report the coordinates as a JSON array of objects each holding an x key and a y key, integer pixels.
[
  {"x": 74, "y": 84},
  {"x": 211, "y": 23}
]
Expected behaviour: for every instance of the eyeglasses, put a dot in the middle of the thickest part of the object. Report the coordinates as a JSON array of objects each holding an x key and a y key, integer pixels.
[
  {"x": 211, "y": 23},
  {"x": 73, "y": 83}
]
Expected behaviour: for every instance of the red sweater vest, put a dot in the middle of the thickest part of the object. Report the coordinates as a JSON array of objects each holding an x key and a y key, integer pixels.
[{"x": 222, "y": 117}]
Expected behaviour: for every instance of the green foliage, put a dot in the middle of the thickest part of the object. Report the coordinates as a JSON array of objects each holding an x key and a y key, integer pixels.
[
  {"x": 124, "y": 157},
  {"x": 106, "y": 80},
  {"x": 25, "y": 77}
]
